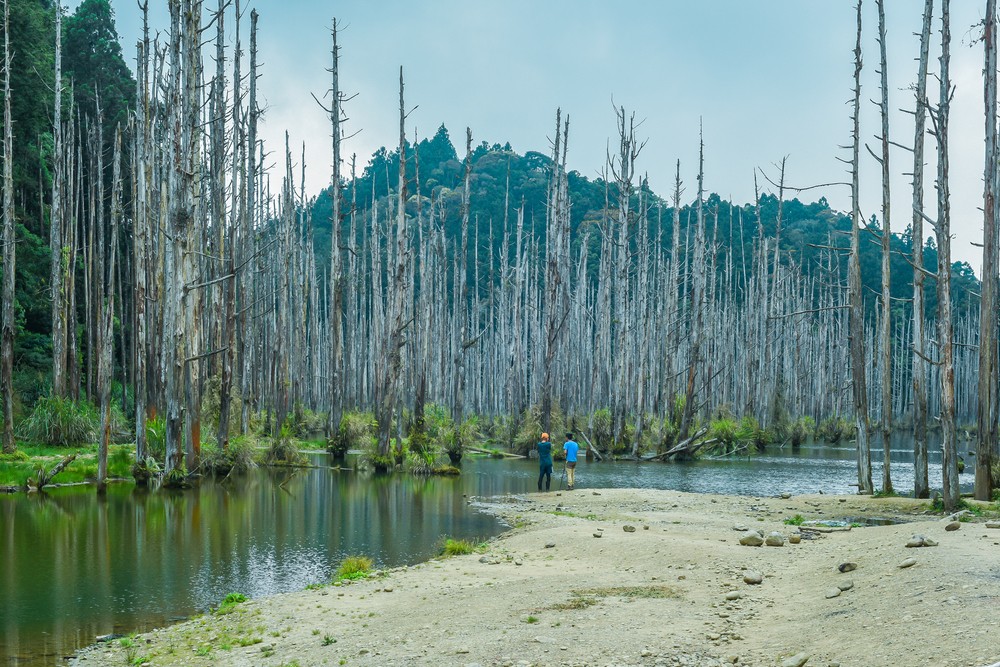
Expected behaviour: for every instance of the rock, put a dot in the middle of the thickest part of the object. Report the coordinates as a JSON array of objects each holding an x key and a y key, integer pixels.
[
  {"x": 598, "y": 534},
  {"x": 489, "y": 560},
  {"x": 954, "y": 525},
  {"x": 752, "y": 539},
  {"x": 596, "y": 493},
  {"x": 545, "y": 640},
  {"x": 646, "y": 653},
  {"x": 928, "y": 542},
  {"x": 775, "y": 539},
  {"x": 734, "y": 595},
  {"x": 740, "y": 528},
  {"x": 752, "y": 578},
  {"x": 843, "y": 500},
  {"x": 993, "y": 524},
  {"x": 518, "y": 561},
  {"x": 550, "y": 545},
  {"x": 796, "y": 660},
  {"x": 920, "y": 541},
  {"x": 387, "y": 589},
  {"x": 794, "y": 538},
  {"x": 628, "y": 529},
  {"x": 786, "y": 496},
  {"x": 645, "y": 527},
  {"x": 846, "y": 585},
  {"x": 732, "y": 659},
  {"x": 833, "y": 593},
  {"x": 909, "y": 562},
  {"x": 847, "y": 567}
]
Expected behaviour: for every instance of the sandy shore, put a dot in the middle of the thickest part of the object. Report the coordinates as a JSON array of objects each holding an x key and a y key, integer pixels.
[{"x": 571, "y": 585}]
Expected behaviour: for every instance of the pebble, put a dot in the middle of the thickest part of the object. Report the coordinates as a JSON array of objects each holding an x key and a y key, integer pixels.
[
  {"x": 628, "y": 529},
  {"x": 833, "y": 593},
  {"x": 909, "y": 562},
  {"x": 387, "y": 589},
  {"x": 734, "y": 595},
  {"x": 847, "y": 567},
  {"x": 796, "y": 660},
  {"x": 550, "y": 545},
  {"x": 954, "y": 525},
  {"x": 598, "y": 534},
  {"x": 732, "y": 659},
  {"x": 794, "y": 538},
  {"x": 846, "y": 585},
  {"x": 775, "y": 539},
  {"x": 993, "y": 524},
  {"x": 517, "y": 561},
  {"x": 752, "y": 578},
  {"x": 920, "y": 541},
  {"x": 740, "y": 528},
  {"x": 752, "y": 539},
  {"x": 786, "y": 496}
]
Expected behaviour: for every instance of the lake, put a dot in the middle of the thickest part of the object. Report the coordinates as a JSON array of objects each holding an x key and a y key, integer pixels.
[{"x": 74, "y": 565}]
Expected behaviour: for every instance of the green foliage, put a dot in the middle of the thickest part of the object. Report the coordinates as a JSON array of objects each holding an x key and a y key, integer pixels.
[
  {"x": 61, "y": 421},
  {"x": 303, "y": 422},
  {"x": 800, "y": 430},
  {"x": 835, "y": 429},
  {"x": 354, "y": 567},
  {"x": 229, "y": 603},
  {"x": 328, "y": 640},
  {"x": 726, "y": 430},
  {"x": 120, "y": 461},
  {"x": 796, "y": 520},
  {"x": 446, "y": 471},
  {"x": 237, "y": 458},
  {"x": 357, "y": 430},
  {"x": 176, "y": 479},
  {"x": 751, "y": 431},
  {"x": 14, "y": 457},
  {"x": 156, "y": 437},
  {"x": 531, "y": 430},
  {"x": 457, "y": 547},
  {"x": 283, "y": 450}
]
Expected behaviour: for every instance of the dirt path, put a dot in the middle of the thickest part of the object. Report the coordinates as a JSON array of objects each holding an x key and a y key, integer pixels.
[{"x": 672, "y": 592}]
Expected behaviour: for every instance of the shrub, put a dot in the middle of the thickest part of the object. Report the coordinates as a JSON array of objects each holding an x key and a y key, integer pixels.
[
  {"x": 303, "y": 422},
  {"x": 751, "y": 431},
  {"x": 354, "y": 567},
  {"x": 800, "y": 430},
  {"x": 61, "y": 422},
  {"x": 156, "y": 438},
  {"x": 531, "y": 428},
  {"x": 238, "y": 457},
  {"x": 283, "y": 450},
  {"x": 357, "y": 430},
  {"x": 120, "y": 461},
  {"x": 835, "y": 429}
]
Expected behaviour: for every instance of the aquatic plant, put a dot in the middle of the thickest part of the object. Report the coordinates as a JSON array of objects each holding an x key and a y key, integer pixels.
[{"x": 800, "y": 430}]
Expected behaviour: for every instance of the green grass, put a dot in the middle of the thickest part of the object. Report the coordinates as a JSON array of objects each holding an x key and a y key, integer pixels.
[
  {"x": 229, "y": 603},
  {"x": 354, "y": 567},
  {"x": 531, "y": 619},
  {"x": 796, "y": 520},
  {"x": 457, "y": 547}
]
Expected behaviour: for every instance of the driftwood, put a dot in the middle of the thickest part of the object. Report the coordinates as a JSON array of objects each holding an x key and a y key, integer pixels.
[
  {"x": 688, "y": 446},
  {"x": 494, "y": 452},
  {"x": 591, "y": 446},
  {"x": 44, "y": 478},
  {"x": 825, "y": 529}
]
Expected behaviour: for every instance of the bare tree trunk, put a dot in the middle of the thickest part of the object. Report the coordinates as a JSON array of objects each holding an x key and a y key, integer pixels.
[
  {"x": 57, "y": 285},
  {"x": 942, "y": 229},
  {"x": 9, "y": 245},
  {"x": 885, "y": 332},
  {"x": 336, "y": 323},
  {"x": 988, "y": 375},
  {"x": 697, "y": 302},
  {"x": 921, "y": 485},
  {"x": 107, "y": 323},
  {"x": 141, "y": 239},
  {"x": 857, "y": 320}
]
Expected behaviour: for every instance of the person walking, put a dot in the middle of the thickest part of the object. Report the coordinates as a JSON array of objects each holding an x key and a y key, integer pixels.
[
  {"x": 544, "y": 461},
  {"x": 570, "y": 449}
]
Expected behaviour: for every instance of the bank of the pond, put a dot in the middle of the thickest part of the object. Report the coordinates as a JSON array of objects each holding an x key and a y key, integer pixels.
[{"x": 571, "y": 584}]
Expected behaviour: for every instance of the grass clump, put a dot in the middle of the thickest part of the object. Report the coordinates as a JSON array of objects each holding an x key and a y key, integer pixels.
[
  {"x": 283, "y": 450},
  {"x": 237, "y": 458},
  {"x": 796, "y": 520},
  {"x": 457, "y": 547},
  {"x": 229, "y": 603},
  {"x": 354, "y": 567},
  {"x": 61, "y": 422}
]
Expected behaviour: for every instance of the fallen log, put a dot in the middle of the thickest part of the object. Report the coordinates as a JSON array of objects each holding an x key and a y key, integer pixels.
[
  {"x": 688, "y": 446},
  {"x": 43, "y": 478},
  {"x": 494, "y": 452},
  {"x": 591, "y": 446},
  {"x": 825, "y": 529}
]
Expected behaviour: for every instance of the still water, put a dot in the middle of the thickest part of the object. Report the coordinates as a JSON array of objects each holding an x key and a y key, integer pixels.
[{"x": 74, "y": 566}]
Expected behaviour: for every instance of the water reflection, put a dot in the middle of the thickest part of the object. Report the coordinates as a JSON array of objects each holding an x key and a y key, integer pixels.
[{"x": 73, "y": 565}]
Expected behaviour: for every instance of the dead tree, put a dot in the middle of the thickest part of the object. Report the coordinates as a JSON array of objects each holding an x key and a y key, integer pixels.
[
  {"x": 857, "y": 313},
  {"x": 942, "y": 230},
  {"x": 988, "y": 374},
  {"x": 885, "y": 329},
  {"x": 921, "y": 485},
  {"x": 57, "y": 285}
]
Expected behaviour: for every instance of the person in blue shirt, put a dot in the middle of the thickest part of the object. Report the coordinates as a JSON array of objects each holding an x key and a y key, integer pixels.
[
  {"x": 544, "y": 461},
  {"x": 570, "y": 449}
]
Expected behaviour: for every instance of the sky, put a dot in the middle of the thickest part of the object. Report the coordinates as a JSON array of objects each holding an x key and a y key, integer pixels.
[{"x": 764, "y": 79}]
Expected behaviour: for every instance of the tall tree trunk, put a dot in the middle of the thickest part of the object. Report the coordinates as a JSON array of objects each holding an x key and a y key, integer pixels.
[
  {"x": 857, "y": 320},
  {"x": 336, "y": 323},
  {"x": 988, "y": 375},
  {"x": 57, "y": 285},
  {"x": 9, "y": 246},
  {"x": 885, "y": 331},
  {"x": 921, "y": 485}
]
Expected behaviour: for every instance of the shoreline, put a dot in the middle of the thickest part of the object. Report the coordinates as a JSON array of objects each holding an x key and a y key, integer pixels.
[{"x": 549, "y": 591}]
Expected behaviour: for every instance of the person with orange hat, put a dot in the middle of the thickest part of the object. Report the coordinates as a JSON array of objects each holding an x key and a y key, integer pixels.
[{"x": 544, "y": 461}]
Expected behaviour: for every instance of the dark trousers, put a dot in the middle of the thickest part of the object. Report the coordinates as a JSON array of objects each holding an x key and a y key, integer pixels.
[{"x": 544, "y": 470}]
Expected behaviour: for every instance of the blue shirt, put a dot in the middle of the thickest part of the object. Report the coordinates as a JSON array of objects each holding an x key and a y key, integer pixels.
[{"x": 571, "y": 448}]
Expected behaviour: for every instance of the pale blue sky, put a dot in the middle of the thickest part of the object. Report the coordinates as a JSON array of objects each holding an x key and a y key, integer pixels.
[{"x": 768, "y": 78}]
